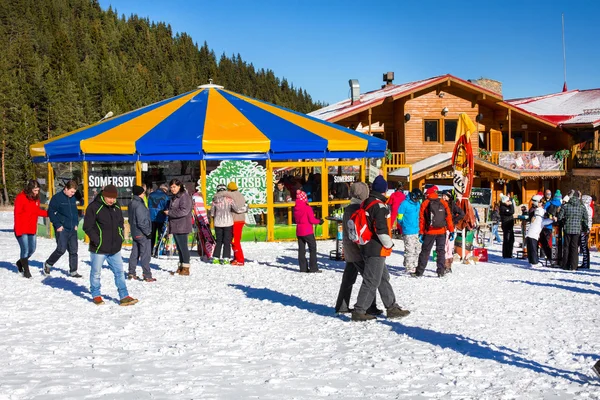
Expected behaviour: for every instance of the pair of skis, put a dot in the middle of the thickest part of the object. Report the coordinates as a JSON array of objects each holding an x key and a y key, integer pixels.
[{"x": 165, "y": 244}]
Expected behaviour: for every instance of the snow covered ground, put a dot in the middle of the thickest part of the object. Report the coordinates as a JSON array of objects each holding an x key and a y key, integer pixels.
[{"x": 488, "y": 331}]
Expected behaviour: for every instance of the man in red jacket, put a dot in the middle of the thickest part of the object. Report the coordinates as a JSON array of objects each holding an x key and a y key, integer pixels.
[{"x": 435, "y": 219}]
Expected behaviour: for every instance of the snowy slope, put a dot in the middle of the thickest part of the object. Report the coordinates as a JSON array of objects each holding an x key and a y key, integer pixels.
[{"x": 266, "y": 331}]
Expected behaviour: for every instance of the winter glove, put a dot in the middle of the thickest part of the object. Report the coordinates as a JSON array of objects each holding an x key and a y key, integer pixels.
[
  {"x": 321, "y": 221},
  {"x": 451, "y": 237},
  {"x": 420, "y": 238}
]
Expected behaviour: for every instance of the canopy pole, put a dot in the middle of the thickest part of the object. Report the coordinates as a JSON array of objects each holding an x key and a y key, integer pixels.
[
  {"x": 384, "y": 168},
  {"x": 138, "y": 173},
  {"x": 363, "y": 171},
  {"x": 50, "y": 194},
  {"x": 86, "y": 196},
  {"x": 324, "y": 199},
  {"x": 203, "y": 179},
  {"x": 270, "y": 209}
]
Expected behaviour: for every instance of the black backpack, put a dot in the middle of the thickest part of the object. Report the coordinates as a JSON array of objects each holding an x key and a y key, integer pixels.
[{"x": 436, "y": 214}]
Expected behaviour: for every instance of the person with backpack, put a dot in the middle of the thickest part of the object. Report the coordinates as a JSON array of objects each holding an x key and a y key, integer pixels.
[
  {"x": 507, "y": 221},
  {"x": 376, "y": 276},
  {"x": 26, "y": 212},
  {"x": 408, "y": 222},
  {"x": 574, "y": 218},
  {"x": 533, "y": 233},
  {"x": 359, "y": 191},
  {"x": 305, "y": 219},
  {"x": 457, "y": 215},
  {"x": 158, "y": 202},
  {"x": 435, "y": 220}
]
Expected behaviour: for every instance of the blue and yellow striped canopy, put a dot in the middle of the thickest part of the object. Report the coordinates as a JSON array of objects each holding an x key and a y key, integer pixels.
[{"x": 213, "y": 124}]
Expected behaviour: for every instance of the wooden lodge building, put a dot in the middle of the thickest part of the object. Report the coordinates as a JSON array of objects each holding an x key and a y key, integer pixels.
[{"x": 516, "y": 149}]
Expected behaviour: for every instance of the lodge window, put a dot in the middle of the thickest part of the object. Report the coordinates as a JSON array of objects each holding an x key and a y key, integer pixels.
[
  {"x": 450, "y": 130},
  {"x": 432, "y": 130}
]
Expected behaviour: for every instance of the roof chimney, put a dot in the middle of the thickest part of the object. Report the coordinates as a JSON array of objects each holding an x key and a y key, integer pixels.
[
  {"x": 354, "y": 90},
  {"x": 388, "y": 78}
]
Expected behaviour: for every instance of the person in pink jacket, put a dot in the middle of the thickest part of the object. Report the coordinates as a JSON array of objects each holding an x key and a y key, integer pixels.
[{"x": 305, "y": 219}]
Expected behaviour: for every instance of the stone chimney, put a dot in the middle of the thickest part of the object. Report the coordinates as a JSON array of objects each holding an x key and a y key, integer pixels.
[{"x": 489, "y": 84}]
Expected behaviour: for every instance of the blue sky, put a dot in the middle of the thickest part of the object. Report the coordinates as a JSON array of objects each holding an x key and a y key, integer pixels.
[{"x": 319, "y": 45}]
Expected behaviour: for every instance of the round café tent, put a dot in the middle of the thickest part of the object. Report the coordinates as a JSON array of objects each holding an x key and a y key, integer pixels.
[{"x": 212, "y": 123}]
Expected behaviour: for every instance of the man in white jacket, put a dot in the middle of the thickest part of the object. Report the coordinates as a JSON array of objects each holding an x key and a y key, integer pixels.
[{"x": 533, "y": 233}]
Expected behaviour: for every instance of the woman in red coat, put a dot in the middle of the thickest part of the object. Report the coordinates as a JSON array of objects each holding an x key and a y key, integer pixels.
[{"x": 27, "y": 211}]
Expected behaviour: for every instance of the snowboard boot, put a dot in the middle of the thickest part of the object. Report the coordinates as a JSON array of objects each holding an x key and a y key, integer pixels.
[
  {"x": 448, "y": 265},
  {"x": 362, "y": 317},
  {"x": 185, "y": 269},
  {"x": 25, "y": 265},
  {"x": 19, "y": 266}
]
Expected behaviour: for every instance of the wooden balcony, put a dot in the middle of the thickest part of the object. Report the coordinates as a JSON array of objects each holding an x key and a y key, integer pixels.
[
  {"x": 587, "y": 159},
  {"x": 526, "y": 162},
  {"x": 395, "y": 159}
]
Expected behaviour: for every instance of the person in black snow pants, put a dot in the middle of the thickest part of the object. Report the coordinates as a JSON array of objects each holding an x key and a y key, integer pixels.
[{"x": 507, "y": 209}]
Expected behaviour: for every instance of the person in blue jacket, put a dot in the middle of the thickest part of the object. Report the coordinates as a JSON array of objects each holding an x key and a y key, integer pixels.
[
  {"x": 408, "y": 219},
  {"x": 158, "y": 202},
  {"x": 552, "y": 207},
  {"x": 63, "y": 214}
]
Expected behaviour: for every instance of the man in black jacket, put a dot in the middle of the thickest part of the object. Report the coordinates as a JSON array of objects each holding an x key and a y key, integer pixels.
[
  {"x": 103, "y": 223},
  {"x": 62, "y": 211},
  {"x": 376, "y": 275},
  {"x": 141, "y": 229}
]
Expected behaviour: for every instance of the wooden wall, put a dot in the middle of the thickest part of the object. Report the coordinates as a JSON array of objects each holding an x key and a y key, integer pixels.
[{"x": 429, "y": 106}]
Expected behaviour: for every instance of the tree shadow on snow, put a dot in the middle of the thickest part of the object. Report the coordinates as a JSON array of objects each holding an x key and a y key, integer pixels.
[
  {"x": 32, "y": 264},
  {"x": 553, "y": 285},
  {"x": 458, "y": 343},
  {"x": 68, "y": 285}
]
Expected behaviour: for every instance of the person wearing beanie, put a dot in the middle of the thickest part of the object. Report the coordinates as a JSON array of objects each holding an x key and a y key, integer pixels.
[
  {"x": 584, "y": 249},
  {"x": 552, "y": 207},
  {"x": 158, "y": 203},
  {"x": 64, "y": 216},
  {"x": 376, "y": 276},
  {"x": 507, "y": 222},
  {"x": 305, "y": 219},
  {"x": 435, "y": 223},
  {"x": 141, "y": 229},
  {"x": 408, "y": 219},
  {"x": 574, "y": 218},
  {"x": 239, "y": 219},
  {"x": 222, "y": 210},
  {"x": 103, "y": 223},
  {"x": 533, "y": 234},
  {"x": 359, "y": 191}
]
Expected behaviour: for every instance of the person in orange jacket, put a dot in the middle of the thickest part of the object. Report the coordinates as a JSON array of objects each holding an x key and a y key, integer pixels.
[{"x": 435, "y": 219}]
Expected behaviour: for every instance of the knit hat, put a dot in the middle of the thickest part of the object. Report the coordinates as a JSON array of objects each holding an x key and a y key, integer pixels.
[
  {"x": 557, "y": 195},
  {"x": 504, "y": 198},
  {"x": 448, "y": 193},
  {"x": 137, "y": 190},
  {"x": 431, "y": 190},
  {"x": 232, "y": 186},
  {"x": 379, "y": 185},
  {"x": 537, "y": 198},
  {"x": 300, "y": 195},
  {"x": 359, "y": 190},
  {"x": 110, "y": 191},
  {"x": 221, "y": 188}
]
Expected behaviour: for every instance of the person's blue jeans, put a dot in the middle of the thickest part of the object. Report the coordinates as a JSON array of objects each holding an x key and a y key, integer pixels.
[
  {"x": 27, "y": 243},
  {"x": 495, "y": 233},
  {"x": 115, "y": 263}
]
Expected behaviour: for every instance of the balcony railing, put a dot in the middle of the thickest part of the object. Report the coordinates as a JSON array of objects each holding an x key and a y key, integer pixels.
[
  {"x": 587, "y": 159},
  {"x": 525, "y": 161},
  {"x": 395, "y": 158}
]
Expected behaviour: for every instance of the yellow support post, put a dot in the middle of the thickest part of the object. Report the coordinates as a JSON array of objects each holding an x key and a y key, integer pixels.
[
  {"x": 384, "y": 168},
  {"x": 138, "y": 173},
  {"x": 270, "y": 209},
  {"x": 324, "y": 199},
  {"x": 50, "y": 186},
  {"x": 86, "y": 196},
  {"x": 410, "y": 177},
  {"x": 203, "y": 180},
  {"x": 363, "y": 169}
]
